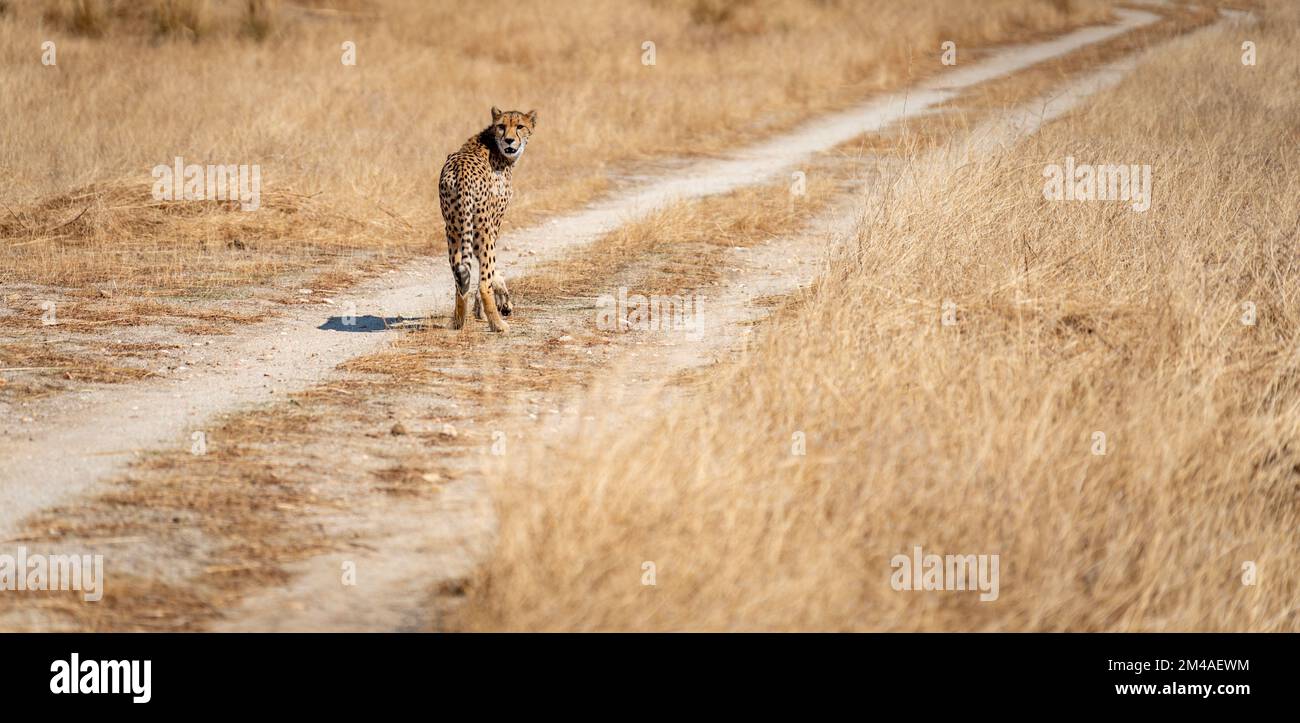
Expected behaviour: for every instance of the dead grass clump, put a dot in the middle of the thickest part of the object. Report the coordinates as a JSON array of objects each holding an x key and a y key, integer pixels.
[
  {"x": 88, "y": 17},
  {"x": 148, "y": 605},
  {"x": 181, "y": 18},
  {"x": 207, "y": 329},
  {"x": 147, "y": 20},
  {"x": 96, "y": 18},
  {"x": 260, "y": 18},
  {"x": 46, "y": 359},
  {"x": 117, "y": 235},
  {"x": 407, "y": 481}
]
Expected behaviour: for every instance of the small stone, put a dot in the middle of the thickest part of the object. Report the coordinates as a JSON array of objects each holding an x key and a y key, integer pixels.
[
  {"x": 397, "y": 430},
  {"x": 448, "y": 431},
  {"x": 304, "y": 291},
  {"x": 432, "y": 478}
]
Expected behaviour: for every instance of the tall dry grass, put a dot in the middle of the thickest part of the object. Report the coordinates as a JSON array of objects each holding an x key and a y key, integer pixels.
[
  {"x": 978, "y": 438},
  {"x": 368, "y": 140}
]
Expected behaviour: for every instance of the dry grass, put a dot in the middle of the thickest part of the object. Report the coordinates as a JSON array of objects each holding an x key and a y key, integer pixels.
[
  {"x": 116, "y": 235},
  {"x": 348, "y": 152},
  {"x": 71, "y": 367},
  {"x": 185, "y": 18},
  {"x": 366, "y": 140},
  {"x": 977, "y": 438},
  {"x": 964, "y": 112},
  {"x": 260, "y": 16},
  {"x": 967, "y": 439}
]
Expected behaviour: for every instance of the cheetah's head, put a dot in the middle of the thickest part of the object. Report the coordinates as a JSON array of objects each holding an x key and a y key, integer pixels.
[{"x": 512, "y": 130}]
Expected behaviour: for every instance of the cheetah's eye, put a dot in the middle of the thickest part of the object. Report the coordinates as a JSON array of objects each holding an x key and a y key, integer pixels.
[
  {"x": 501, "y": 128},
  {"x": 519, "y": 128}
]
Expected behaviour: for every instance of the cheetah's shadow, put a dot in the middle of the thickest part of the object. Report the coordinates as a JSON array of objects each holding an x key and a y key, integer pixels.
[{"x": 368, "y": 323}]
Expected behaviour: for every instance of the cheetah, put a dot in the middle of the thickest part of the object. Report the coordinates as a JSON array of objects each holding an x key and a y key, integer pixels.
[{"x": 474, "y": 190}]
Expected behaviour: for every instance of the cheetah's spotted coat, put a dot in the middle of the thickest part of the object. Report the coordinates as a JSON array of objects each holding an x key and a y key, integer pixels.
[{"x": 474, "y": 190}]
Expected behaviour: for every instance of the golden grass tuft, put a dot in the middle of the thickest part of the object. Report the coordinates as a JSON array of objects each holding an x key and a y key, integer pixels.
[
  {"x": 260, "y": 18},
  {"x": 87, "y": 17},
  {"x": 181, "y": 18},
  {"x": 193, "y": 247},
  {"x": 61, "y": 364}
]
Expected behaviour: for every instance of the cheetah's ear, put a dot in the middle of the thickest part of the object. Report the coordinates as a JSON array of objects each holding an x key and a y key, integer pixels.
[
  {"x": 496, "y": 114},
  {"x": 532, "y": 117}
]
